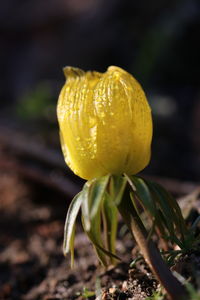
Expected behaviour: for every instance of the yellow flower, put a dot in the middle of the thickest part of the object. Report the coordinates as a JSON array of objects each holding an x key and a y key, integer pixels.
[{"x": 105, "y": 123}]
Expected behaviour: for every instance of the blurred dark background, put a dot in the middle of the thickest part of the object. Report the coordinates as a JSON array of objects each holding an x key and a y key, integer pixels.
[{"x": 157, "y": 41}]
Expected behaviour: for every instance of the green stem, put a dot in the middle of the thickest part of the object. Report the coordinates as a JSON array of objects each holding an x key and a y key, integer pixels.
[{"x": 150, "y": 252}]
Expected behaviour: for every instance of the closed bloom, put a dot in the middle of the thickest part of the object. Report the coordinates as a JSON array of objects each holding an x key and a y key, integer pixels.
[{"x": 105, "y": 123}]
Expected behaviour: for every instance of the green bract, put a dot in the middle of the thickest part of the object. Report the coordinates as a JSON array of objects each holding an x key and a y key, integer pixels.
[{"x": 99, "y": 201}]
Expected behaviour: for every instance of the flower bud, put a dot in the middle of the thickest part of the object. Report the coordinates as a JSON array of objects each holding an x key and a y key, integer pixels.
[{"x": 105, "y": 123}]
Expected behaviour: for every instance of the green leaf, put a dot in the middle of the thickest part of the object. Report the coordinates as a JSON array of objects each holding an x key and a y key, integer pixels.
[
  {"x": 117, "y": 187},
  {"x": 94, "y": 235},
  {"x": 69, "y": 229},
  {"x": 143, "y": 193},
  {"x": 108, "y": 253},
  {"x": 163, "y": 204},
  {"x": 72, "y": 246},
  {"x": 93, "y": 197},
  {"x": 93, "y": 192},
  {"x": 87, "y": 293},
  {"x": 97, "y": 193},
  {"x": 170, "y": 210},
  {"x": 178, "y": 217},
  {"x": 154, "y": 201},
  {"x": 86, "y": 205},
  {"x": 92, "y": 226},
  {"x": 110, "y": 217}
]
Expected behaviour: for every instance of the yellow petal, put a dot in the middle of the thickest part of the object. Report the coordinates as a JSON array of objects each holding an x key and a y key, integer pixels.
[{"x": 105, "y": 123}]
